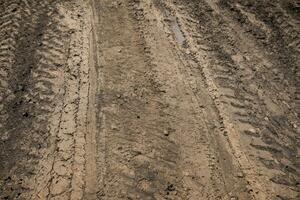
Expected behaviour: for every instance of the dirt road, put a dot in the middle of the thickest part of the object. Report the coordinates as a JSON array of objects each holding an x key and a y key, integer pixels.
[{"x": 149, "y": 99}]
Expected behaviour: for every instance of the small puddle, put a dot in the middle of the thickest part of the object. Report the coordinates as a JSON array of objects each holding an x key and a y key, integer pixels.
[
  {"x": 175, "y": 27},
  {"x": 177, "y": 31}
]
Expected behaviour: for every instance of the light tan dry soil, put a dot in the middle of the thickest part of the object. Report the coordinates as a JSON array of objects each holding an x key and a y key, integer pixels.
[{"x": 149, "y": 99}]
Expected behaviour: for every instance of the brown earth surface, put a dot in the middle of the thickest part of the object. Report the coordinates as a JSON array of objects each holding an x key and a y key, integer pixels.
[{"x": 150, "y": 99}]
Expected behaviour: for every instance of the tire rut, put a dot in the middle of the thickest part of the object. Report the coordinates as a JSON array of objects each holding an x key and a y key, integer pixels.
[
  {"x": 42, "y": 101},
  {"x": 244, "y": 86}
]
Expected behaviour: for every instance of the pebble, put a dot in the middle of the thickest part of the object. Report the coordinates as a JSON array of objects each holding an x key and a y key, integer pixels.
[
  {"x": 240, "y": 175},
  {"x": 166, "y": 133},
  {"x": 114, "y": 127}
]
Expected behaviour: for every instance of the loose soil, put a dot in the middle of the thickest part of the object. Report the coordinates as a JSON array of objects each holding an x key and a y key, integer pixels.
[{"x": 149, "y": 99}]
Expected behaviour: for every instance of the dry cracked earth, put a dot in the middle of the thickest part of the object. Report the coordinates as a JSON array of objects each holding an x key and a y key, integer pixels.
[{"x": 150, "y": 99}]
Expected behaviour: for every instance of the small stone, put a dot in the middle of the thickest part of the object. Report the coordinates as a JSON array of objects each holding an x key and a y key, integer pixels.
[
  {"x": 71, "y": 31},
  {"x": 166, "y": 133},
  {"x": 295, "y": 125},
  {"x": 25, "y": 114},
  {"x": 171, "y": 188},
  {"x": 240, "y": 175},
  {"x": 114, "y": 127},
  {"x": 252, "y": 130}
]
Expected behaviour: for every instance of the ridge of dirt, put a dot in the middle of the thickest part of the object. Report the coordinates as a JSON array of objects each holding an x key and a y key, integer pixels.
[{"x": 91, "y": 146}]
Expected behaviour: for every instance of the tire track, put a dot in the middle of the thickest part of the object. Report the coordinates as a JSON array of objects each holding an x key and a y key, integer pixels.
[
  {"x": 20, "y": 107},
  {"x": 245, "y": 91},
  {"x": 69, "y": 125},
  {"x": 155, "y": 143},
  {"x": 46, "y": 107},
  {"x": 140, "y": 162},
  {"x": 91, "y": 188},
  {"x": 216, "y": 181}
]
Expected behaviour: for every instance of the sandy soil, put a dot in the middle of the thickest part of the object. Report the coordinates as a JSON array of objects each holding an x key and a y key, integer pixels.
[{"x": 149, "y": 99}]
